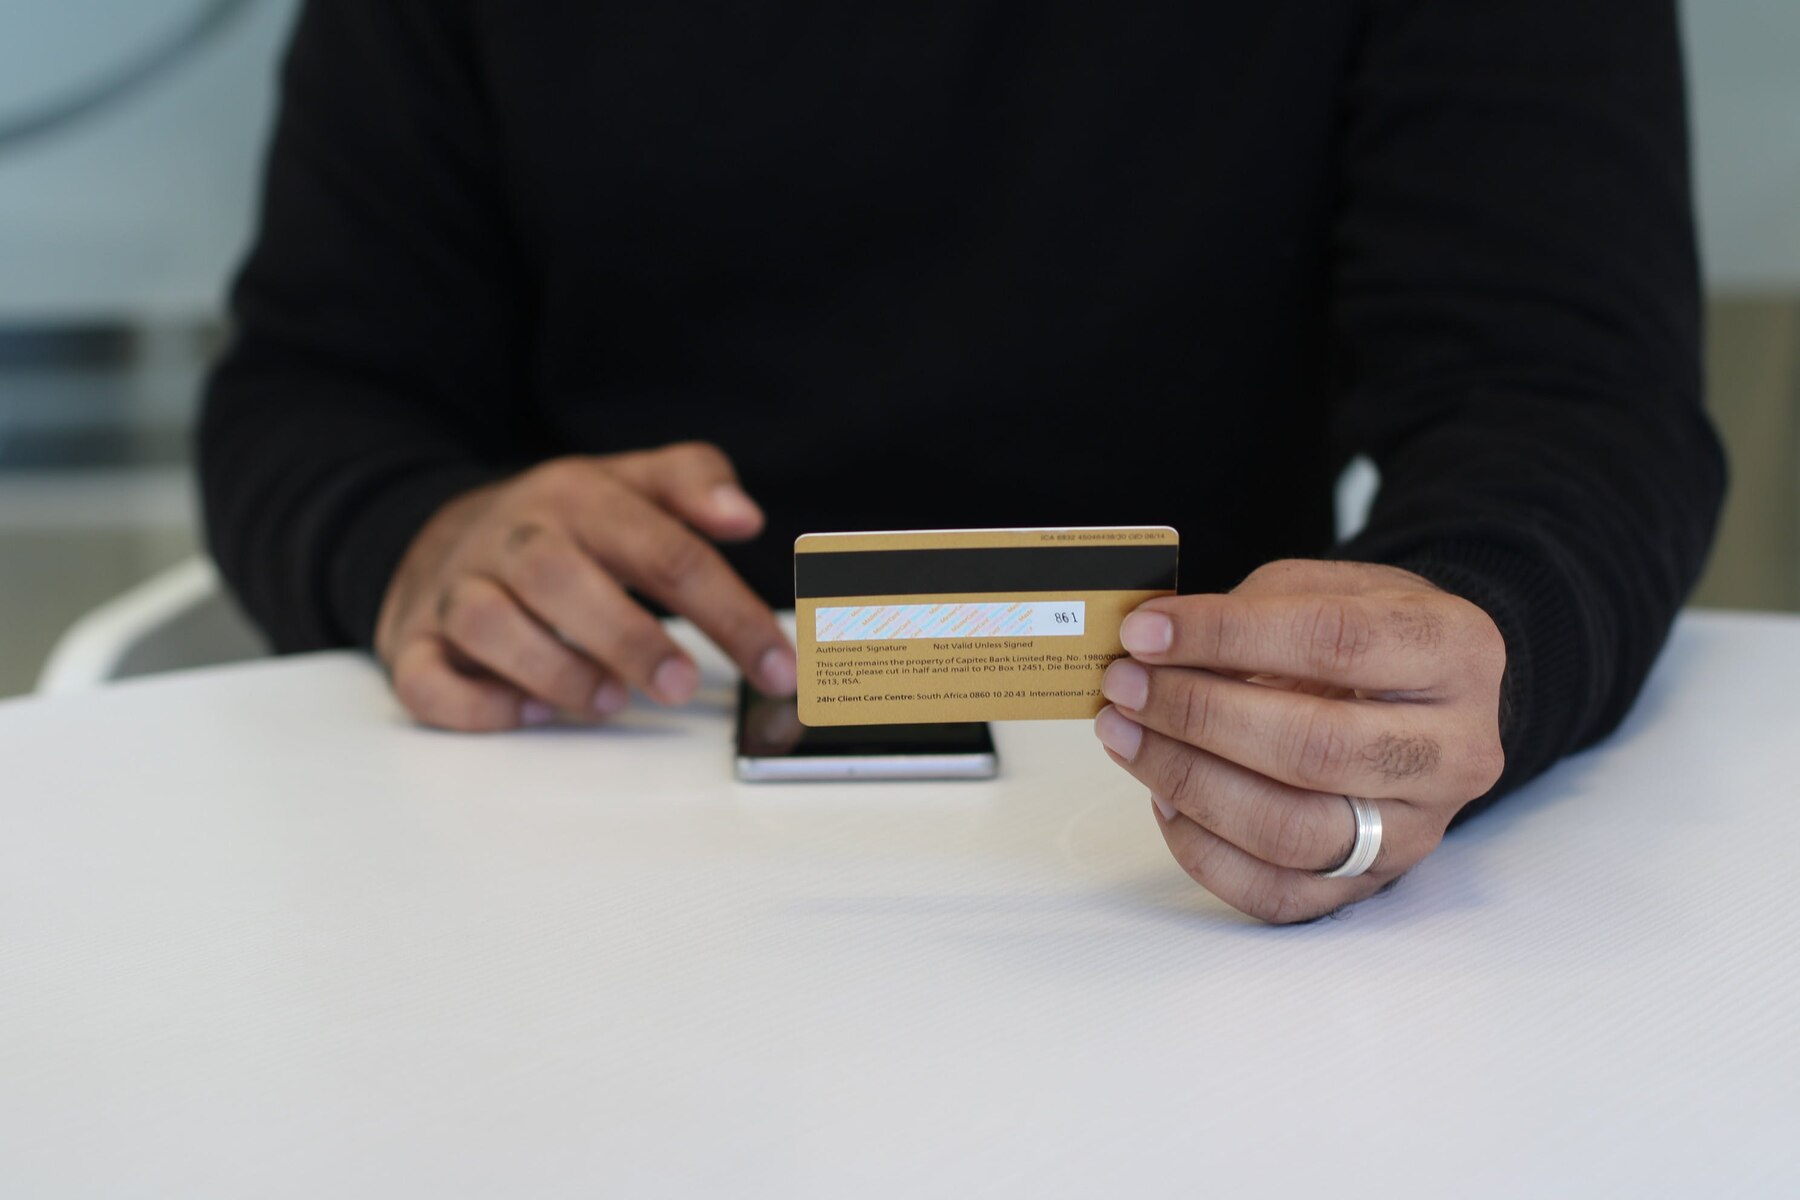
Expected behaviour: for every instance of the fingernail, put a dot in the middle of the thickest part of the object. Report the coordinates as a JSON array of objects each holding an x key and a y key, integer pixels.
[
  {"x": 1163, "y": 806},
  {"x": 1147, "y": 633},
  {"x": 731, "y": 504},
  {"x": 536, "y": 712},
  {"x": 1126, "y": 684},
  {"x": 776, "y": 672},
  {"x": 1118, "y": 732},
  {"x": 610, "y": 697},
  {"x": 674, "y": 681}
]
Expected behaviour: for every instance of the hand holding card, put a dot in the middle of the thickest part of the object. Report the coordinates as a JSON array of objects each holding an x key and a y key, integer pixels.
[
  {"x": 968, "y": 625},
  {"x": 1254, "y": 718}
]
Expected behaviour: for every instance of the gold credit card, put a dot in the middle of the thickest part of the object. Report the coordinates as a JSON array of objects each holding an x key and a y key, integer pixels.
[{"x": 968, "y": 624}]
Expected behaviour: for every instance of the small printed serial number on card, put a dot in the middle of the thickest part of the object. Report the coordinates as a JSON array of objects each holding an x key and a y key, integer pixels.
[{"x": 987, "y": 619}]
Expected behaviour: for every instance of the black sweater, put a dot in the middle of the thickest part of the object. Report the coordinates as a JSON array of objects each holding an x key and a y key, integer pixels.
[{"x": 964, "y": 263}]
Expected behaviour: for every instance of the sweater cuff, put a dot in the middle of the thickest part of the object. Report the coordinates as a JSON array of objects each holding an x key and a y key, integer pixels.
[
  {"x": 389, "y": 516},
  {"x": 1548, "y": 685}
]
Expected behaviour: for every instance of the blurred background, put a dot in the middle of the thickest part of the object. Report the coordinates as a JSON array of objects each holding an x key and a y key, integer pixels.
[{"x": 131, "y": 135}]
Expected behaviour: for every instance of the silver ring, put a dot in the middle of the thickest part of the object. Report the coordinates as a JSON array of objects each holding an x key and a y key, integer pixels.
[{"x": 1367, "y": 844}]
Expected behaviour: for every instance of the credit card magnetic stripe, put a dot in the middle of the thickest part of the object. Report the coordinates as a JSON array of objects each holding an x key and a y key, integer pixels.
[{"x": 827, "y": 573}]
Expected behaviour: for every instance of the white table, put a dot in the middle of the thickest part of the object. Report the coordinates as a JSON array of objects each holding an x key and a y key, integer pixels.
[{"x": 260, "y": 936}]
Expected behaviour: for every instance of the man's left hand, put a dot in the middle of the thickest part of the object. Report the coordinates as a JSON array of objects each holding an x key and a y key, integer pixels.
[{"x": 1250, "y": 716}]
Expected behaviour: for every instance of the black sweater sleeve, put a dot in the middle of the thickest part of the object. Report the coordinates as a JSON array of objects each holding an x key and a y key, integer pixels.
[
  {"x": 1517, "y": 316},
  {"x": 378, "y": 322},
  {"x": 1513, "y": 284}
]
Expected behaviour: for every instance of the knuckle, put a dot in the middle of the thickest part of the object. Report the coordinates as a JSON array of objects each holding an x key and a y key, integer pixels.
[
  {"x": 1292, "y": 906},
  {"x": 1467, "y": 632},
  {"x": 1490, "y": 651},
  {"x": 1493, "y": 641},
  {"x": 1338, "y": 635},
  {"x": 1276, "y": 568},
  {"x": 1196, "y": 719},
  {"x": 476, "y": 616},
  {"x": 541, "y": 571},
  {"x": 1198, "y": 859},
  {"x": 1187, "y": 785},
  {"x": 643, "y": 643},
  {"x": 1485, "y": 765},
  {"x": 1288, "y": 838},
  {"x": 416, "y": 692},
  {"x": 434, "y": 701},
  {"x": 1419, "y": 622},
  {"x": 1278, "y": 901},
  {"x": 571, "y": 683},
  {"x": 1271, "y": 573},
  {"x": 628, "y": 635},
  {"x": 742, "y": 627},
  {"x": 633, "y": 645},
  {"x": 673, "y": 562},
  {"x": 1318, "y": 750},
  {"x": 1216, "y": 633},
  {"x": 558, "y": 479}
]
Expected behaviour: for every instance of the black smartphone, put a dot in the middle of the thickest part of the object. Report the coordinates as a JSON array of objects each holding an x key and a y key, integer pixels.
[{"x": 772, "y": 745}]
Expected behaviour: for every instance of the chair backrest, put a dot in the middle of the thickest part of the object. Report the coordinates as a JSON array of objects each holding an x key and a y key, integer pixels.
[
  {"x": 177, "y": 619},
  {"x": 1355, "y": 495}
]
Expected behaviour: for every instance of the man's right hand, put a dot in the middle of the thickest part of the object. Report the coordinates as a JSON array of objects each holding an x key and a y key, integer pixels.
[{"x": 510, "y": 606}]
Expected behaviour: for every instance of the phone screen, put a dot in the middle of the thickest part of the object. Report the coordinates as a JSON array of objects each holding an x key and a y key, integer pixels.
[{"x": 769, "y": 730}]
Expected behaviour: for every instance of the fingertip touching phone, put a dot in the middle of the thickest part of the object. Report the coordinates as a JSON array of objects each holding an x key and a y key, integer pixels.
[{"x": 773, "y": 746}]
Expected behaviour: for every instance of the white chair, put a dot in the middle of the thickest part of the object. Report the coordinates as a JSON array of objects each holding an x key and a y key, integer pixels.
[
  {"x": 179, "y": 618},
  {"x": 1356, "y": 488}
]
